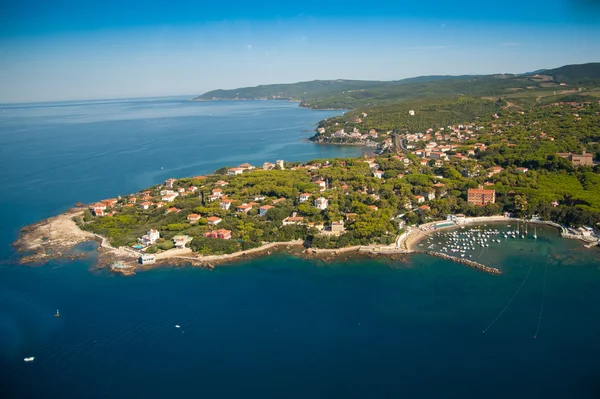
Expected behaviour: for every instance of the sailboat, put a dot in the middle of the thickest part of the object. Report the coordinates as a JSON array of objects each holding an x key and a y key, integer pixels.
[{"x": 535, "y": 233}]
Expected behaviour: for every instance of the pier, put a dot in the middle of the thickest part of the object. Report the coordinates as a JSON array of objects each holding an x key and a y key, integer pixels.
[{"x": 470, "y": 263}]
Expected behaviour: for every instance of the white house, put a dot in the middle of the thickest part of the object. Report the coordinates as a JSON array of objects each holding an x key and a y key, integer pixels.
[
  {"x": 235, "y": 171},
  {"x": 147, "y": 259},
  {"x": 378, "y": 174},
  {"x": 181, "y": 240},
  {"x": 213, "y": 220},
  {"x": 150, "y": 238},
  {"x": 262, "y": 211},
  {"x": 429, "y": 195},
  {"x": 170, "y": 197},
  {"x": 321, "y": 203},
  {"x": 226, "y": 204},
  {"x": 322, "y": 184},
  {"x": 304, "y": 197},
  {"x": 280, "y": 163},
  {"x": 292, "y": 220}
]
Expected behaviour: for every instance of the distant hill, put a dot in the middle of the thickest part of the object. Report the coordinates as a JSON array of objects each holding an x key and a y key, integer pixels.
[
  {"x": 291, "y": 91},
  {"x": 315, "y": 89},
  {"x": 576, "y": 74},
  {"x": 350, "y": 94}
]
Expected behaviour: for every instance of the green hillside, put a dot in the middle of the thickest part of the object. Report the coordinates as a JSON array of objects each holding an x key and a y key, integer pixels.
[
  {"x": 576, "y": 74},
  {"x": 524, "y": 89}
]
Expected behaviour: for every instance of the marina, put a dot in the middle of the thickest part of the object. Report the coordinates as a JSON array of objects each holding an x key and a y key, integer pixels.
[{"x": 470, "y": 242}]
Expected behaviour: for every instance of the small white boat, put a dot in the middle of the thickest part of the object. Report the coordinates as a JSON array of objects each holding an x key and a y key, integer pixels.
[
  {"x": 177, "y": 326},
  {"x": 29, "y": 359}
]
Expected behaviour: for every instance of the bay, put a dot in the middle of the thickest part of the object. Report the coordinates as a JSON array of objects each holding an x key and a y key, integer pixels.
[{"x": 276, "y": 326}]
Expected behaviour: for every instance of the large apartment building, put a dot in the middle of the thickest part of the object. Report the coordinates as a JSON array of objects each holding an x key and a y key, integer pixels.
[{"x": 481, "y": 196}]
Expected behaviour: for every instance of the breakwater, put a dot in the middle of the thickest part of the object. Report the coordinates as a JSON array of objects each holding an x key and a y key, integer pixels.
[{"x": 470, "y": 263}]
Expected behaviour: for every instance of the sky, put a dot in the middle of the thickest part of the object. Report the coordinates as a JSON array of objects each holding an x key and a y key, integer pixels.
[{"x": 86, "y": 49}]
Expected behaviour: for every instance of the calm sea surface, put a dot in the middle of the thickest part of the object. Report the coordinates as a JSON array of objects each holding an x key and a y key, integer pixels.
[{"x": 273, "y": 327}]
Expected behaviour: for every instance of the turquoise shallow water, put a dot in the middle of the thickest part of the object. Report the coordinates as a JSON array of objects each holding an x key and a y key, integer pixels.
[{"x": 277, "y": 326}]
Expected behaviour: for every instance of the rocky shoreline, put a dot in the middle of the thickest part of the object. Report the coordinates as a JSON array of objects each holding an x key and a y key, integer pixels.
[
  {"x": 56, "y": 238},
  {"x": 52, "y": 238}
]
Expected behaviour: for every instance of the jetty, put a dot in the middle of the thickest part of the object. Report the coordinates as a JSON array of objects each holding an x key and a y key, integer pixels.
[{"x": 470, "y": 263}]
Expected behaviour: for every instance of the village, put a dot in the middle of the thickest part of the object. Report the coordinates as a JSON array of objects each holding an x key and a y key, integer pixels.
[{"x": 420, "y": 178}]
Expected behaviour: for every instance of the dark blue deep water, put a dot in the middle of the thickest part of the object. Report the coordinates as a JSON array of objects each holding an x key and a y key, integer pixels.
[{"x": 276, "y": 327}]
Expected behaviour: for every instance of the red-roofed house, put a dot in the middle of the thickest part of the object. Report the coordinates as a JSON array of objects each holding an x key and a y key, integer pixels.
[
  {"x": 193, "y": 217},
  {"x": 110, "y": 202},
  {"x": 221, "y": 234},
  {"x": 292, "y": 220},
  {"x": 235, "y": 171},
  {"x": 213, "y": 220},
  {"x": 262, "y": 211},
  {"x": 226, "y": 204},
  {"x": 244, "y": 208},
  {"x": 246, "y": 166}
]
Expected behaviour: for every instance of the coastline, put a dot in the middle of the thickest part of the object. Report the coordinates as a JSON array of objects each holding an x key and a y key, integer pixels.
[{"x": 55, "y": 238}]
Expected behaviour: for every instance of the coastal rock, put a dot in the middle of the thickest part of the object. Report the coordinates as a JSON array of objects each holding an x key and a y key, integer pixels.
[{"x": 52, "y": 238}]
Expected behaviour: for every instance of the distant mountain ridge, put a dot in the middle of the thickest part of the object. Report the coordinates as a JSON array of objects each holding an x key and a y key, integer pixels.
[{"x": 344, "y": 93}]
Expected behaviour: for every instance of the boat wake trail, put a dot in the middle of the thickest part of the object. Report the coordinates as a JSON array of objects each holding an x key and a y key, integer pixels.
[
  {"x": 542, "y": 302},
  {"x": 510, "y": 300}
]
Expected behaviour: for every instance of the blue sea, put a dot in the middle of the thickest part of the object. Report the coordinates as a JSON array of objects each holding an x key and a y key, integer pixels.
[{"x": 274, "y": 327}]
